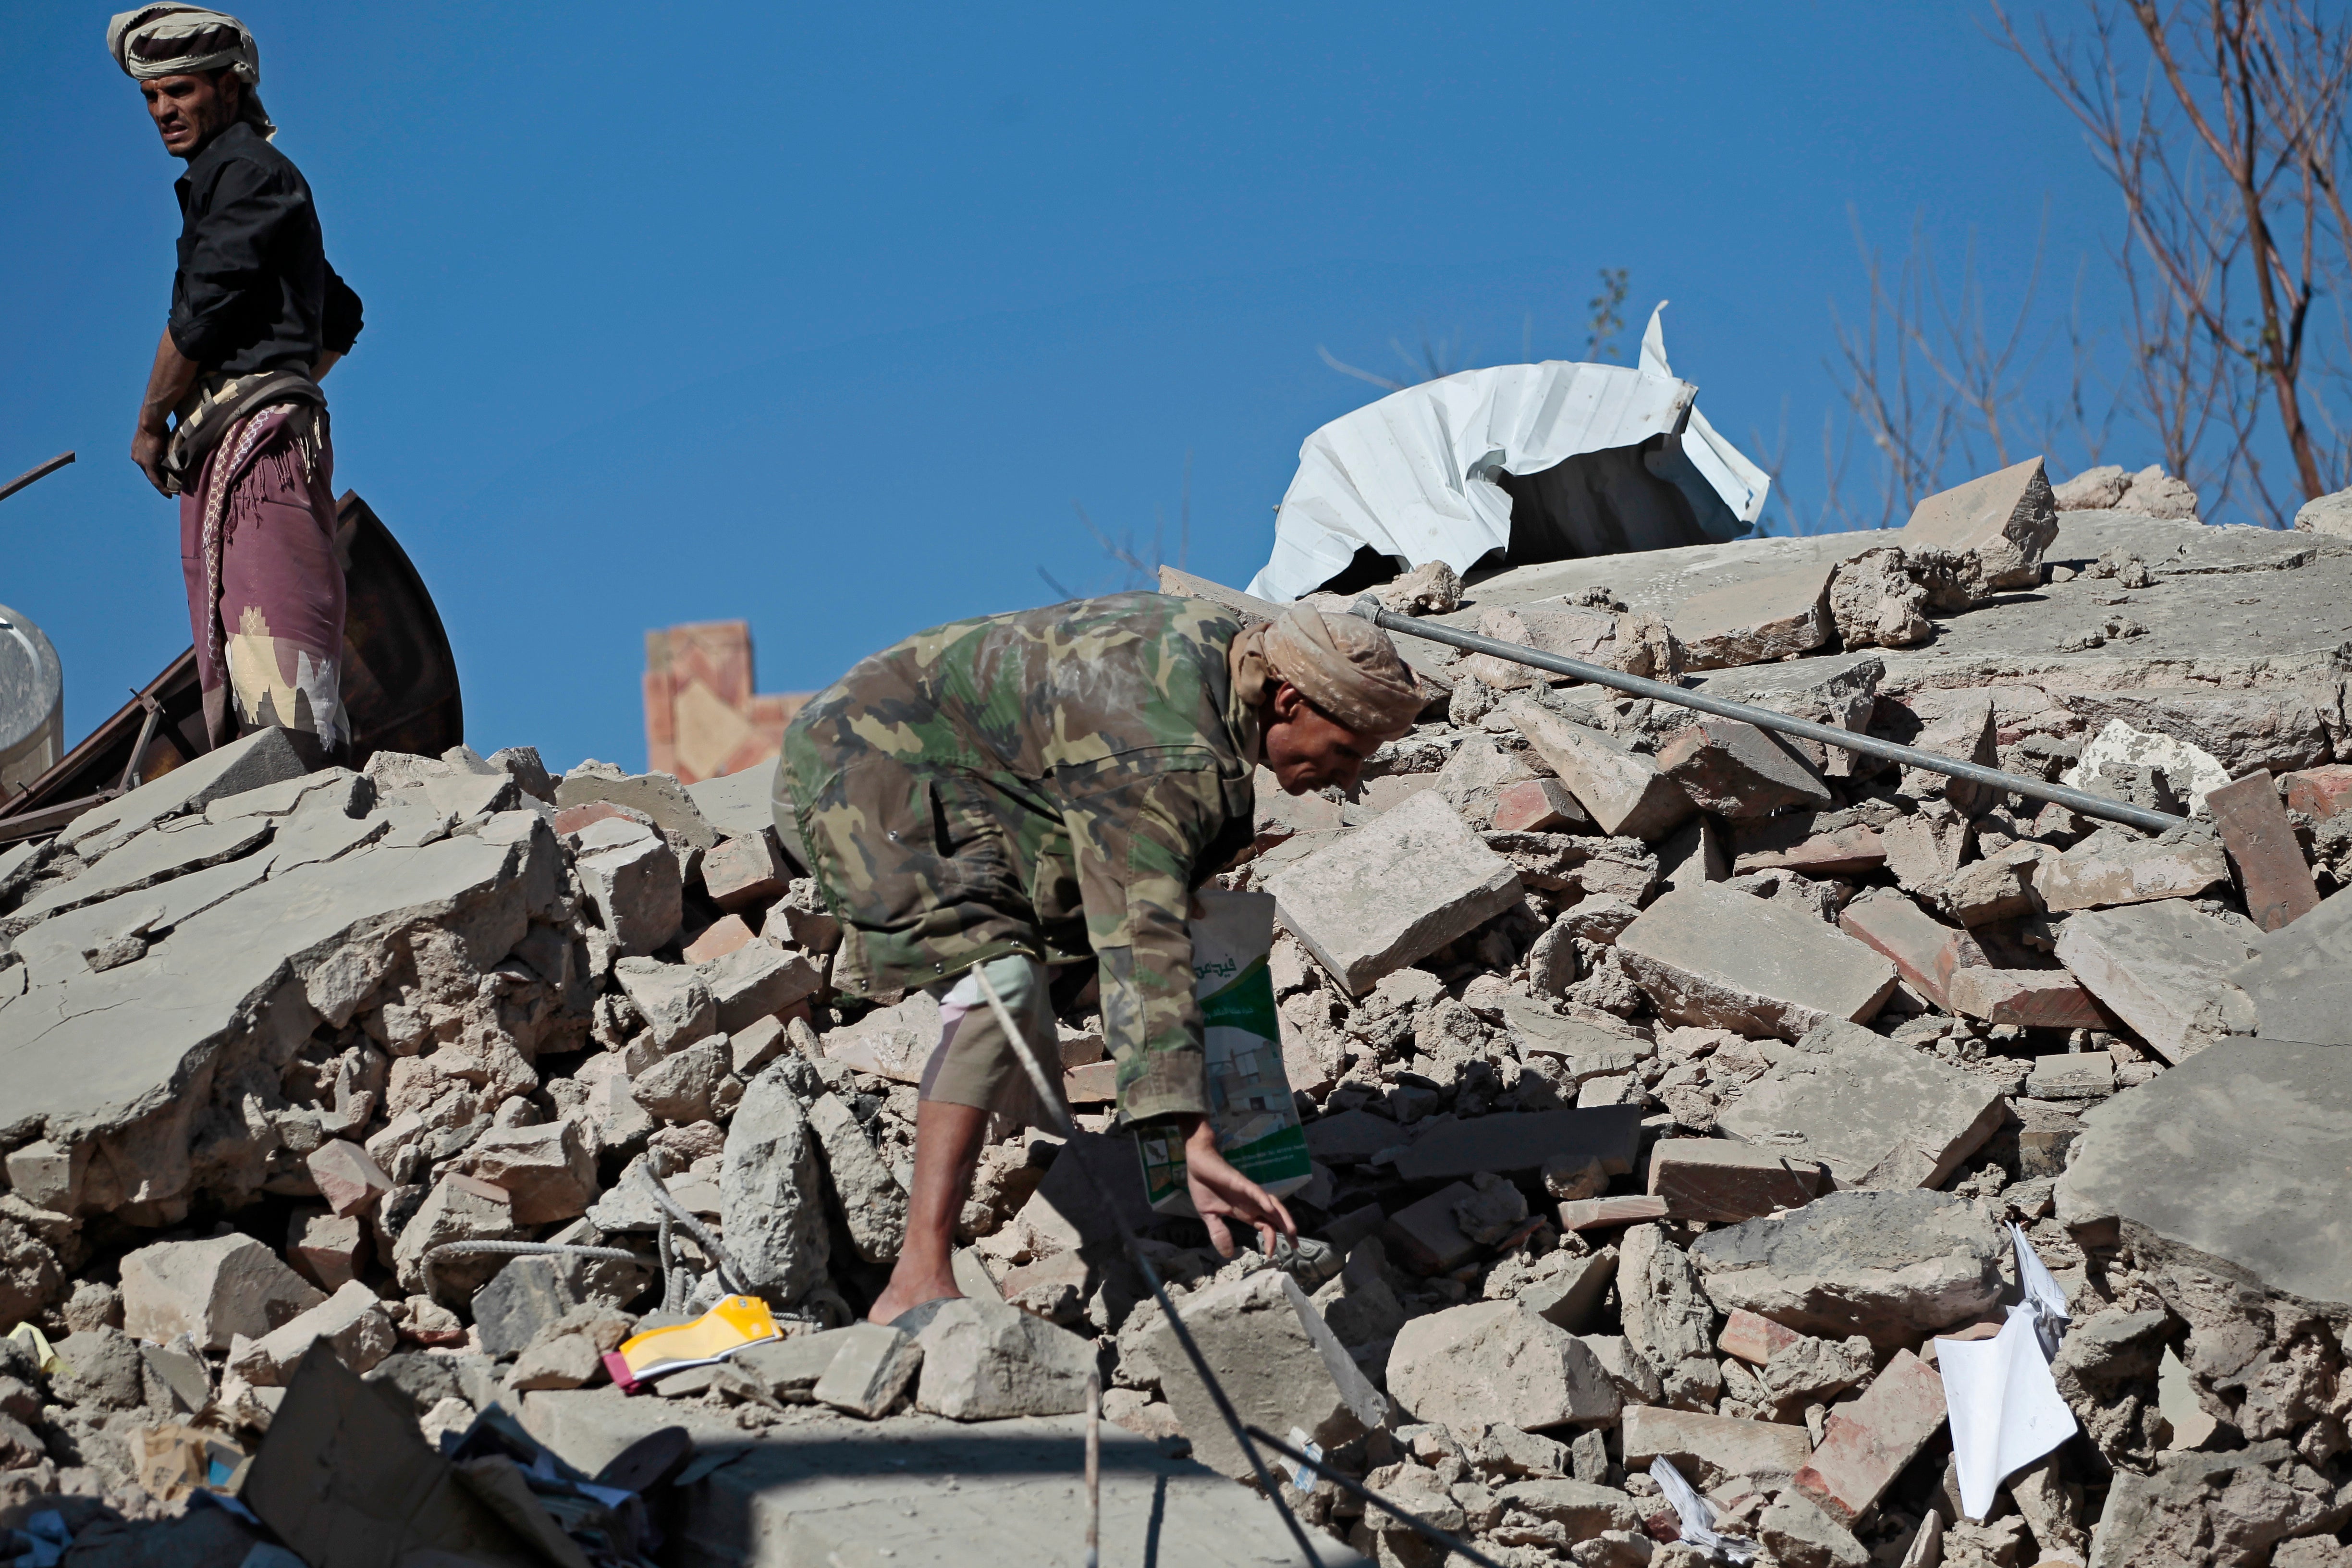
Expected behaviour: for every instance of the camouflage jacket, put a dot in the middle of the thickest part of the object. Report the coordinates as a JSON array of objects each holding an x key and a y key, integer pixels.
[{"x": 1053, "y": 782}]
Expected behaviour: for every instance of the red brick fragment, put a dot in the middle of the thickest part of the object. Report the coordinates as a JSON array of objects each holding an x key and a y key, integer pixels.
[{"x": 2270, "y": 869}]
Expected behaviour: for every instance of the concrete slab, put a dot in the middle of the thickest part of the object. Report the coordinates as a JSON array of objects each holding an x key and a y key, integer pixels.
[
  {"x": 2165, "y": 969},
  {"x": 2299, "y": 984},
  {"x": 1878, "y": 1114},
  {"x": 2240, "y": 1158},
  {"x": 130, "y": 1056},
  {"x": 1393, "y": 892},
  {"x": 1709, "y": 956},
  {"x": 1621, "y": 789},
  {"x": 920, "y": 1492}
]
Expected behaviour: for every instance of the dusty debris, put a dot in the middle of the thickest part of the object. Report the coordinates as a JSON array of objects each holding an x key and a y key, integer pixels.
[{"x": 1666, "y": 1082}]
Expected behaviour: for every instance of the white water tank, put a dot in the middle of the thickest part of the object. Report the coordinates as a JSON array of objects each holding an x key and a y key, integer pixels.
[{"x": 32, "y": 703}]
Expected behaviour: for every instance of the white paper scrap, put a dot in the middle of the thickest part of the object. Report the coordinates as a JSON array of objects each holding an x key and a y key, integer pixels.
[
  {"x": 1301, "y": 1476},
  {"x": 2004, "y": 1406},
  {"x": 1695, "y": 1518}
]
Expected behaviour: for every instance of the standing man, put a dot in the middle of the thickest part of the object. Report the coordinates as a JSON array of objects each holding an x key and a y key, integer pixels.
[
  {"x": 1023, "y": 790},
  {"x": 258, "y": 319}
]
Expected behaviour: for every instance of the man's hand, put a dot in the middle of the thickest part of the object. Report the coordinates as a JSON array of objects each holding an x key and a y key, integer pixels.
[
  {"x": 1218, "y": 1190},
  {"x": 147, "y": 443},
  {"x": 171, "y": 380}
]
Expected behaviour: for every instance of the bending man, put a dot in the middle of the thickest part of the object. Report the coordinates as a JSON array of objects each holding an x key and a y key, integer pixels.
[
  {"x": 1036, "y": 789},
  {"x": 258, "y": 318}
]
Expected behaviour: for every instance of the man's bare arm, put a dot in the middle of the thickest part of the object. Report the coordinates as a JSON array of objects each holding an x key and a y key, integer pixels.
[
  {"x": 173, "y": 376},
  {"x": 326, "y": 359}
]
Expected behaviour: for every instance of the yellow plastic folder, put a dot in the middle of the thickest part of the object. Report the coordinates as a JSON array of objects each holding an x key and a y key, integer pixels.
[{"x": 737, "y": 1322}]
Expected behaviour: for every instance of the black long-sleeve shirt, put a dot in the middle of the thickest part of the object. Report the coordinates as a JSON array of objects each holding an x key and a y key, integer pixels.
[{"x": 254, "y": 291}]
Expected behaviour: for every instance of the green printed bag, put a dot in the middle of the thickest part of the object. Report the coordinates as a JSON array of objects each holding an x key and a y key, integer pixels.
[{"x": 1250, "y": 1102}]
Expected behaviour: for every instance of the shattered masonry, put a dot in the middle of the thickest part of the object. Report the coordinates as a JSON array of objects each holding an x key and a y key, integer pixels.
[{"x": 1670, "y": 1082}]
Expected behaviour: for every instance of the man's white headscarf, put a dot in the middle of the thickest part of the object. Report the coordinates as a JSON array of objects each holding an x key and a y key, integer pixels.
[{"x": 188, "y": 41}]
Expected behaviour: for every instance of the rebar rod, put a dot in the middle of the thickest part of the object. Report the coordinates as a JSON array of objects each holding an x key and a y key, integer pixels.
[{"x": 2077, "y": 800}]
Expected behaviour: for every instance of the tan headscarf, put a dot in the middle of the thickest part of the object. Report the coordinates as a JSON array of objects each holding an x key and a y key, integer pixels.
[
  {"x": 188, "y": 41},
  {"x": 1344, "y": 665}
]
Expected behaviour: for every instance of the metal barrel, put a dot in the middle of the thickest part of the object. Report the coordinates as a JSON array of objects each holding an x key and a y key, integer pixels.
[{"x": 2089, "y": 804}]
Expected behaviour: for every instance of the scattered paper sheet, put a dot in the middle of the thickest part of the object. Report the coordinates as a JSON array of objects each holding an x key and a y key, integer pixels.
[
  {"x": 1696, "y": 1518},
  {"x": 2004, "y": 1406}
]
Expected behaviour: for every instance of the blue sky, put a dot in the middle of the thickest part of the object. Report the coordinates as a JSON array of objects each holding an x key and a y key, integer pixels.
[{"x": 823, "y": 318}]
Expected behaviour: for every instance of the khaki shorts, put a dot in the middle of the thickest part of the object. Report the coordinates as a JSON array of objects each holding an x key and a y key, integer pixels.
[{"x": 974, "y": 1064}]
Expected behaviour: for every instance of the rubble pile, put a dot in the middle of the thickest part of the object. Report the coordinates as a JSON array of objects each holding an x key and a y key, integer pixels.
[{"x": 1670, "y": 1084}]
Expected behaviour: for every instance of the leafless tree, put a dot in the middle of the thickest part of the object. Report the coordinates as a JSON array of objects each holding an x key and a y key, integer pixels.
[
  {"x": 2222, "y": 125},
  {"x": 1136, "y": 568},
  {"x": 1443, "y": 357}
]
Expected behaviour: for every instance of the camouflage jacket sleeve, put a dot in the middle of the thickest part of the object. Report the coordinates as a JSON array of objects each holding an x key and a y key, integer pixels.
[{"x": 1136, "y": 836}]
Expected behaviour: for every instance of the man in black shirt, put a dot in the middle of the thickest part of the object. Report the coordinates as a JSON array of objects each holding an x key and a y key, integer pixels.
[{"x": 258, "y": 318}]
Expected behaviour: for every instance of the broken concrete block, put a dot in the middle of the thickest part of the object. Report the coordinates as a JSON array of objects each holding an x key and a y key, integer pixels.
[
  {"x": 2261, "y": 842},
  {"x": 264, "y": 757},
  {"x": 1393, "y": 892},
  {"x": 1583, "y": 1511},
  {"x": 519, "y": 1305},
  {"x": 1875, "y": 602},
  {"x": 981, "y": 1365},
  {"x": 1667, "y": 1318},
  {"x": 346, "y": 1177},
  {"x": 673, "y": 1000},
  {"x": 1426, "y": 1235},
  {"x": 2233, "y": 1163},
  {"x": 1716, "y": 1180},
  {"x": 631, "y": 879},
  {"x": 2007, "y": 518},
  {"x": 720, "y": 938},
  {"x": 1567, "y": 1293},
  {"x": 889, "y": 1042},
  {"x": 1966, "y": 733},
  {"x": 1699, "y": 1444},
  {"x": 1924, "y": 950},
  {"x": 2319, "y": 792},
  {"x": 1753, "y": 1339},
  {"x": 1892, "y": 1265},
  {"x": 1520, "y": 1146},
  {"x": 1537, "y": 806},
  {"x": 2299, "y": 984},
  {"x": 327, "y": 1249},
  {"x": 869, "y": 1373},
  {"x": 871, "y": 1197},
  {"x": 1792, "y": 843},
  {"x": 549, "y": 1171},
  {"x": 1600, "y": 1214},
  {"x": 2035, "y": 998},
  {"x": 1620, "y": 790},
  {"x": 757, "y": 982},
  {"x": 682, "y": 1088},
  {"x": 352, "y": 1322},
  {"x": 1757, "y": 621},
  {"x": 747, "y": 871},
  {"x": 2111, "y": 869},
  {"x": 1866, "y": 1441},
  {"x": 1278, "y": 1362},
  {"x": 1740, "y": 773},
  {"x": 459, "y": 1208},
  {"x": 1698, "y": 851},
  {"x": 214, "y": 1290},
  {"x": 2084, "y": 1075},
  {"x": 1997, "y": 887},
  {"x": 1709, "y": 956},
  {"x": 1800, "y": 1533},
  {"x": 47, "y": 1176},
  {"x": 2165, "y": 969},
  {"x": 1877, "y": 1113},
  {"x": 1495, "y": 1362},
  {"x": 771, "y": 1207},
  {"x": 1568, "y": 630}
]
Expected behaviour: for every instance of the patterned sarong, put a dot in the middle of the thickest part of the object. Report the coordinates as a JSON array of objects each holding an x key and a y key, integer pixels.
[{"x": 265, "y": 591}]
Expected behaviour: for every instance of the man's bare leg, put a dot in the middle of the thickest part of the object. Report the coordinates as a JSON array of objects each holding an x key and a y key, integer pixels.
[{"x": 947, "y": 1149}]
